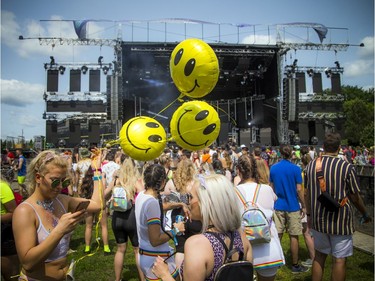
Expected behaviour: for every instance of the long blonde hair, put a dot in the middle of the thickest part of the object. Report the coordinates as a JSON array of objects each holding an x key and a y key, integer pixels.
[
  {"x": 128, "y": 175},
  {"x": 218, "y": 203},
  {"x": 183, "y": 175}
]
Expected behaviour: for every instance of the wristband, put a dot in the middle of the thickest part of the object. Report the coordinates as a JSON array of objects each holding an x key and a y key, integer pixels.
[
  {"x": 173, "y": 231},
  {"x": 96, "y": 170},
  {"x": 96, "y": 178}
]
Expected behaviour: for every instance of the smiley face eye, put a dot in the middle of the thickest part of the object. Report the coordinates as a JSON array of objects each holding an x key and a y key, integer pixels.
[
  {"x": 209, "y": 129},
  {"x": 201, "y": 115},
  {"x": 178, "y": 56},
  {"x": 154, "y": 138},
  {"x": 189, "y": 67},
  {"x": 152, "y": 125}
]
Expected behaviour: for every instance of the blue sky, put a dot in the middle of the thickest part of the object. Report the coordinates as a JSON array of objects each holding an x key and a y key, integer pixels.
[{"x": 23, "y": 78}]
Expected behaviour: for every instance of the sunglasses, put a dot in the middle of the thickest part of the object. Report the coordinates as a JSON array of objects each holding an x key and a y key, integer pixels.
[{"x": 64, "y": 183}]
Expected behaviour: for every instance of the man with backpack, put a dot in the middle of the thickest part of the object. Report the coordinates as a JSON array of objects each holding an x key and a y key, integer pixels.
[{"x": 331, "y": 181}]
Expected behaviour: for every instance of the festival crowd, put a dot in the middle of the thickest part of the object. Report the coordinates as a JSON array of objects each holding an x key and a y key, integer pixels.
[{"x": 183, "y": 210}]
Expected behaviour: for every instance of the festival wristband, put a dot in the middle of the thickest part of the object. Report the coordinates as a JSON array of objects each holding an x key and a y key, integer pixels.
[{"x": 96, "y": 178}]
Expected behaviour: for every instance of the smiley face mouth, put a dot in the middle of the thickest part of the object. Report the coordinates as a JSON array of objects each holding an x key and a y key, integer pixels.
[
  {"x": 127, "y": 136},
  {"x": 179, "y": 132},
  {"x": 195, "y": 85}
]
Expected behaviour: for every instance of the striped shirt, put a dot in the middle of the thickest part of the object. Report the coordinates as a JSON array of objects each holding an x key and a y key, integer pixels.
[{"x": 341, "y": 180}]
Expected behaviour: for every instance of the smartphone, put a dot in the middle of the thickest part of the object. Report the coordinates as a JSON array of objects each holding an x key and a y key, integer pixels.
[{"x": 82, "y": 205}]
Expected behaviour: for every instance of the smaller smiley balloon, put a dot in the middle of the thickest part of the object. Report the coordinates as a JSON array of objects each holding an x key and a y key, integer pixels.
[
  {"x": 194, "y": 68},
  {"x": 142, "y": 138},
  {"x": 195, "y": 125}
]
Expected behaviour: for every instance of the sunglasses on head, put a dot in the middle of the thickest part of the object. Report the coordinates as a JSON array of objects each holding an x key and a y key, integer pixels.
[{"x": 64, "y": 183}]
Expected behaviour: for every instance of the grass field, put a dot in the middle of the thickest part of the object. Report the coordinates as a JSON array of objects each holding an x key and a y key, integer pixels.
[{"x": 100, "y": 268}]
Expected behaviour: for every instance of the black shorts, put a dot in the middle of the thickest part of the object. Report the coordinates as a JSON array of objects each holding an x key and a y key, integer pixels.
[
  {"x": 8, "y": 245},
  {"x": 124, "y": 227}
]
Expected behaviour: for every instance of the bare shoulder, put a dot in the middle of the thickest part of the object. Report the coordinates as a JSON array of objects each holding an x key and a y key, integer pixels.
[
  {"x": 23, "y": 213},
  {"x": 198, "y": 242}
]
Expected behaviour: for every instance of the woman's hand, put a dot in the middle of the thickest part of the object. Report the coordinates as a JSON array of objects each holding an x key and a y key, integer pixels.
[
  {"x": 160, "y": 269},
  {"x": 186, "y": 210},
  {"x": 180, "y": 226},
  {"x": 69, "y": 221}
]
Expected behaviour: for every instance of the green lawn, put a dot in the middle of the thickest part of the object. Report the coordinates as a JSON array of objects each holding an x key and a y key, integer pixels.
[{"x": 100, "y": 268}]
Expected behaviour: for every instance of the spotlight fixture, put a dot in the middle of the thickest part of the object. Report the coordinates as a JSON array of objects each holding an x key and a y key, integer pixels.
[
  {"x": 310, "y": 72},
  {"x": 337, "y": 64},
  {"x": 46, "y": 66},
  {"x": 62, "y": 69},
  {"x": 105, "y": 70},
  {"x": 328, "y": 72},
  {"x": 84, "y": 69},
  {"x": 52, "y": 62},
  {"x": 100, "y": 61}
]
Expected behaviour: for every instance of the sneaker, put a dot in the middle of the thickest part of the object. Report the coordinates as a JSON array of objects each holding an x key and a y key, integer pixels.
[
  {"x": 307, "y": 263},
  {"x": 299, "y": 269}
]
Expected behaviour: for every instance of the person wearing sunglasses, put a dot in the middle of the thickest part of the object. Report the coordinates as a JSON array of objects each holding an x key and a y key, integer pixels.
[
  {"x": 43, "y": 223},
  {"x": 213, "y": 201}
]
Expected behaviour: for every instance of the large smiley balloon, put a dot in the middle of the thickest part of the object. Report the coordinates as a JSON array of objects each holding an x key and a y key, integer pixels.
[
  {"x": 194, "y": 68},
  {"x": 195, "y": 125},
  {"x": 142, "y": 138}
]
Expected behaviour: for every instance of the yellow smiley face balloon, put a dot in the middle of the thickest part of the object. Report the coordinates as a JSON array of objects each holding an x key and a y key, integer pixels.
[
  {"x": 194, "y": 68},
  {"x": 142, "y": 138},
  {"x": 195, "y": 125}
]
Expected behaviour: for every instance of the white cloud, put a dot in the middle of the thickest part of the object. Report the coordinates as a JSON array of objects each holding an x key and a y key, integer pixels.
[
  {"x": 259, "y": 39},
  {"x": 30, "y": 46},
  {"x": 21, "y": 94},
  {"x": 367, "y": 52},
  {"x": 365, "y": 63}
]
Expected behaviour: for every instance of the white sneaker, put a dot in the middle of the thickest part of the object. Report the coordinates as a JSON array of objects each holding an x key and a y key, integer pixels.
[{"x": 307, "y": 263}]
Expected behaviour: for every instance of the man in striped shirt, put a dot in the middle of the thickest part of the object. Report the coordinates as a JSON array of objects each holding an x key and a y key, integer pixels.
[{"x": 332, "y": 229}]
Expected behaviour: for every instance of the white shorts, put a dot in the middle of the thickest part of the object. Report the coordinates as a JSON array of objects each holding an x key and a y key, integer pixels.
[
  {"x": 267, "y": 272},
  {"x": 339, "y": 246}
]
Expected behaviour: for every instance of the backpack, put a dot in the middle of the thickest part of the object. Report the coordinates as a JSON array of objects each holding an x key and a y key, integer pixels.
[
  {"x": 119, "y": 201},
  {"x": 254, "y": 221},
  {"x": 233, "y": 270}
]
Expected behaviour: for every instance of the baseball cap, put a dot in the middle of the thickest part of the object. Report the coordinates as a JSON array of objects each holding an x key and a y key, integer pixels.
[{"x": 243, "y": 146}]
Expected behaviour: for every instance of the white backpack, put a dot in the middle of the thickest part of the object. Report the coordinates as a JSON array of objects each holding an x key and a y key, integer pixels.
[{"x": 119, "y": 201}]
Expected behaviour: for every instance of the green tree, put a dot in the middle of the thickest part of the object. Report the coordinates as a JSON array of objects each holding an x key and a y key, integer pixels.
[{"x": 359, "y": 113}]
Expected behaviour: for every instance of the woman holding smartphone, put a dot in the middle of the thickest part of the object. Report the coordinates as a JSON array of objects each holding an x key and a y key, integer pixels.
[{"x": 43, "y": 223}]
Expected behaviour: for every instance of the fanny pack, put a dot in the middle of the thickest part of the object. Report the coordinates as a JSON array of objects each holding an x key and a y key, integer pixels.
[{"x": 325, "y": 198}]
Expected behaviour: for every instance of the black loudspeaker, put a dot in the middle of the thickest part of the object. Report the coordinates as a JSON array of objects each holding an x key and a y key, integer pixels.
[
  {"x": 290, "y": 99},
  {"x": 75, "y": 80},
  {"x": 94, "y": 131},
  {"x": 317, "y": 83},
  {"x": 52, "y": 80},
  {"x": 301, "y": 82},
  {"x": 94, "y": 80},
  {"x": 51, "y": 131},
  {"x": 335, "y": 83},
  {"x": 128, "y": 109}
]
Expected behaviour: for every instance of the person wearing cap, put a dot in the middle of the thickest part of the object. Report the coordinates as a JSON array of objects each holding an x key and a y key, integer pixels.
[{"x": 244, "y": 150}]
